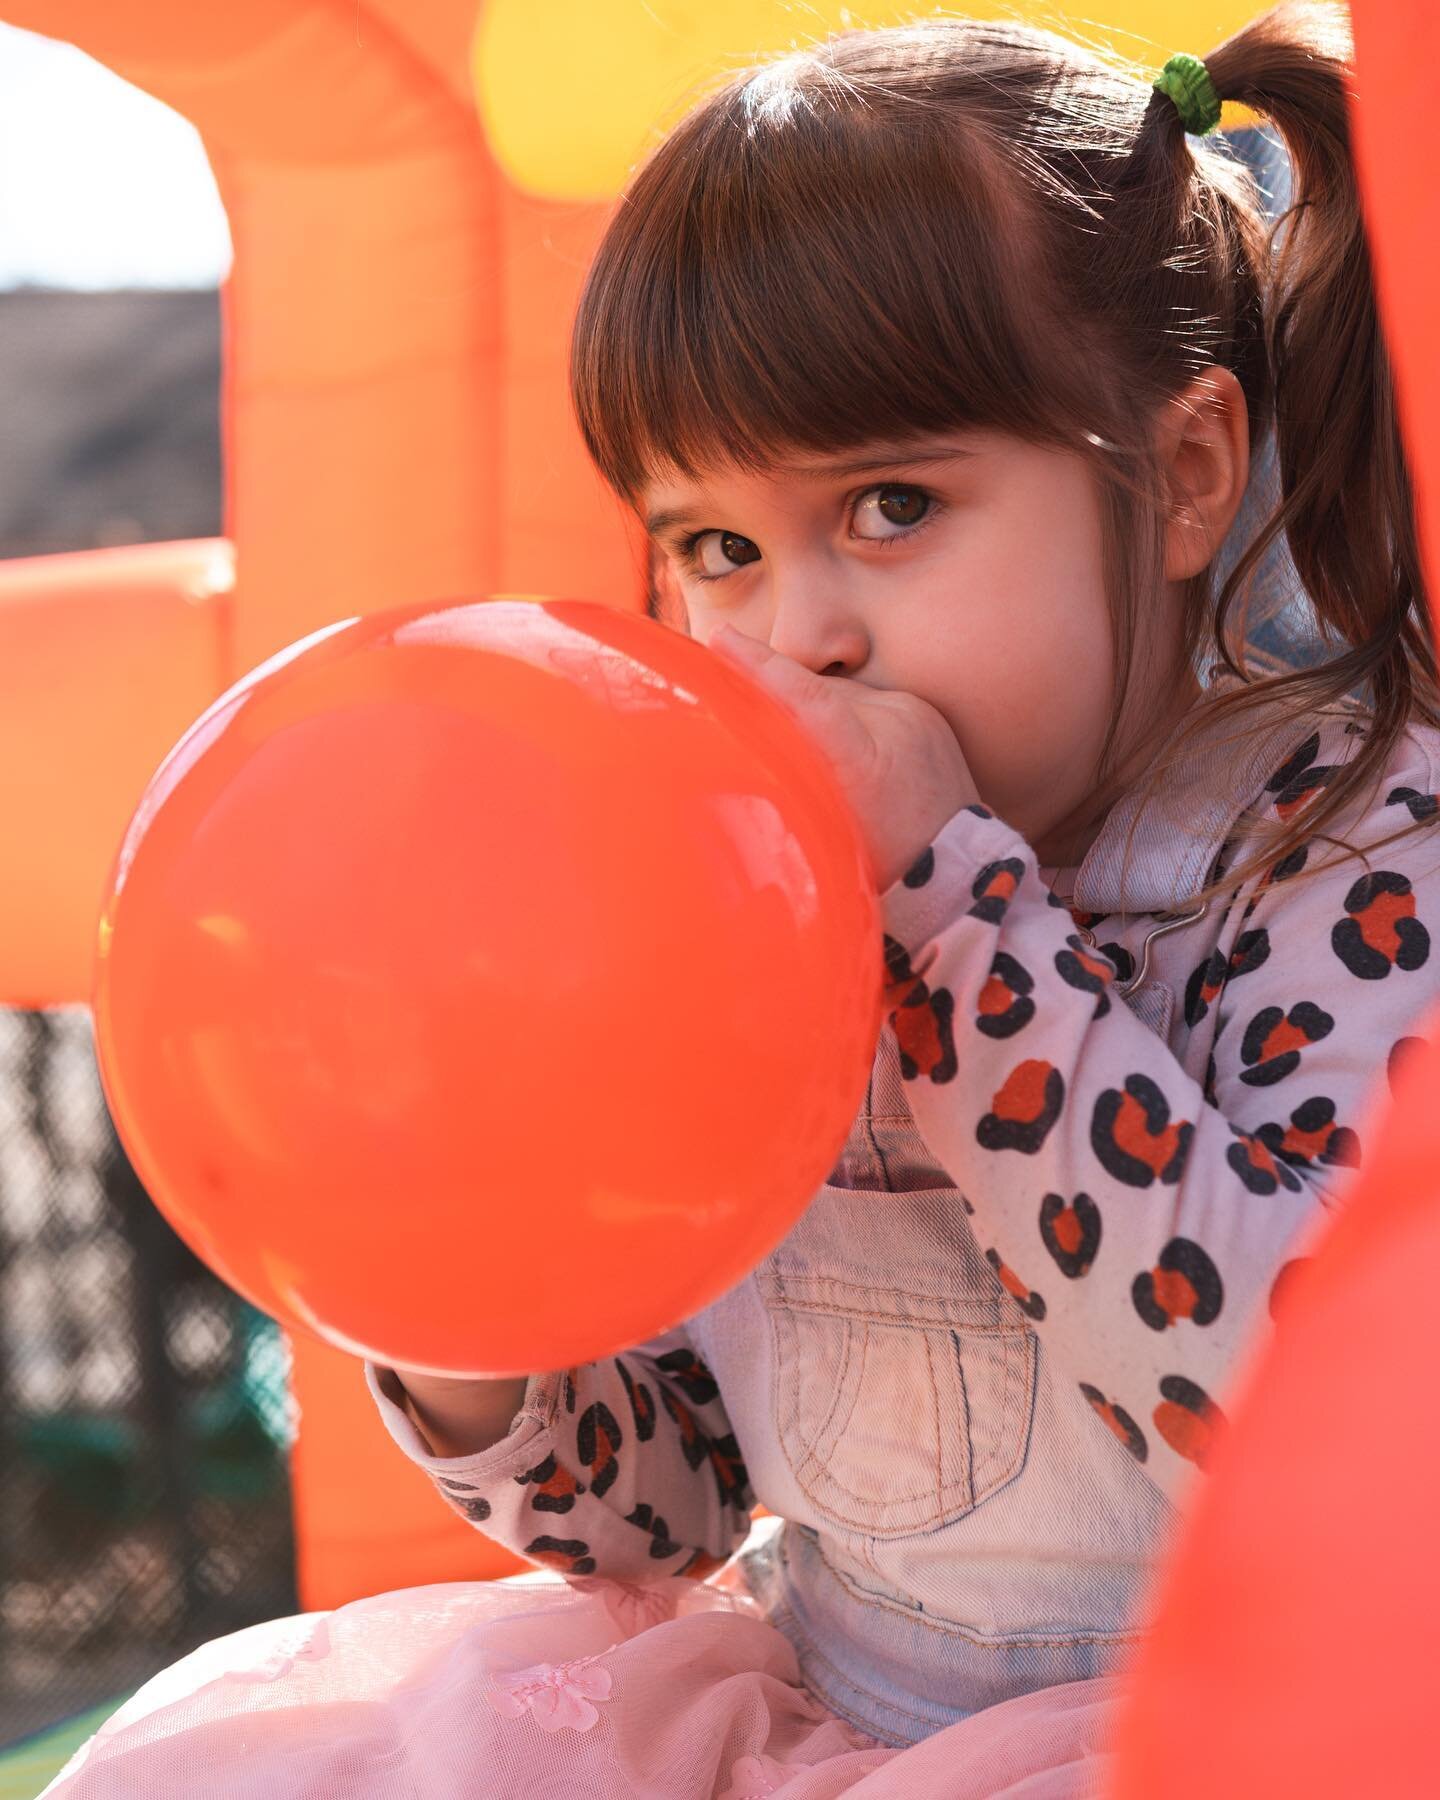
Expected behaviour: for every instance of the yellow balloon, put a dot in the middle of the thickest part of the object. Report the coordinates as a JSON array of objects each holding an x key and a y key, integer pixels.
[{"x": 572, "y": 93}]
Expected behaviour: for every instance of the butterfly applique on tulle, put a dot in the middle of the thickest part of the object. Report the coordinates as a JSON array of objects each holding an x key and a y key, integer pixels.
[{"x": 560, "y": 1696}]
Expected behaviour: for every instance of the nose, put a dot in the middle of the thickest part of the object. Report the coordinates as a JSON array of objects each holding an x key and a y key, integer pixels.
[{"x": 815, "y": 625}]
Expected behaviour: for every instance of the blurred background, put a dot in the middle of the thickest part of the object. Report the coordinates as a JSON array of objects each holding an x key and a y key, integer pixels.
[{"x": 144, "y": 1412}]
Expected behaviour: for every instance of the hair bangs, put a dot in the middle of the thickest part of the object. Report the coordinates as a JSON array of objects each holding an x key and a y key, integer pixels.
[{"x": 802, "y": 270}]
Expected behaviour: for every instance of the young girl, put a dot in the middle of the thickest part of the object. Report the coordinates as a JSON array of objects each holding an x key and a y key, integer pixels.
[{"x": 934, "y": 360}]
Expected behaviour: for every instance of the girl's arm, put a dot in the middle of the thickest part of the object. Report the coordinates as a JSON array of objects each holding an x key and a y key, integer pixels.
[
  {"x": 457, "y": 1417},
  {"x": 1143, "y": 1219},
  {"x": 625, "y": 1468}
]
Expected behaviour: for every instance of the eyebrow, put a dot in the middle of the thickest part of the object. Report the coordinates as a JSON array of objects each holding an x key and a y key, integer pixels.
[
  {"x": 657, "y": 522},
  {"x": 885, "y": 457}
]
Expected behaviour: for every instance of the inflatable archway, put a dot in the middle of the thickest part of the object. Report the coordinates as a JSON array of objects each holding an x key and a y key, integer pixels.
[{"x": 396, "y": 428}]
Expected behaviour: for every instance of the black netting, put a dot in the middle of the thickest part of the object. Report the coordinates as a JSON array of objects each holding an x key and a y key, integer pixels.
[{"x": 144, "y": 1414}]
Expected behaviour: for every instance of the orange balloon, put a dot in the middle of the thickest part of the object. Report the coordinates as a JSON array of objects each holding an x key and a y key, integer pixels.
[{"x": 489, "y": 986}]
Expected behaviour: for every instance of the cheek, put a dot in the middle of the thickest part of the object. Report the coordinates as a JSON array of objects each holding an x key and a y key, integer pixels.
[
  {"x": 1032, "y": 665},
  {"x": 1036, "y": 726}
]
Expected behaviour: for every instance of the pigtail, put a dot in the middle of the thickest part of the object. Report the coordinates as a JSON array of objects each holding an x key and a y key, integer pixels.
[{"x": 1348, "y": 507}]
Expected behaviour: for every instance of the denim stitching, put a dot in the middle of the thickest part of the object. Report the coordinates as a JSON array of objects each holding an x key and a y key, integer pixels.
[
  {"x": 857, "y": 1687},
  {"x": 841, "y": 1385},
  {"x": 813, "y": 1460},
  {"x": 825, "y": 1439},
  {"x": 1009, "y": 1393},
  {"x": 940, "y": 1482},
  {"x": 969, "y": 1417},
  {"x": 870, "y": 1128},
  {"x": 893, "y": 1741},
  {"x": 1028, "y": 1347},
  {"x": 786, "y": 1407},
  {"x": 998, "y": 1322},
  {"x": 953, "y": 1628}
]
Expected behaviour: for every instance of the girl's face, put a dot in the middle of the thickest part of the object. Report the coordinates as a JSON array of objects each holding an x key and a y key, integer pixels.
[{"x": 964, "y": 568}]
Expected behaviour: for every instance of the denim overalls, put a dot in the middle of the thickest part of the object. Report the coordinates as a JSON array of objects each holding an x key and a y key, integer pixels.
[{"x": 959, "y": 1530}]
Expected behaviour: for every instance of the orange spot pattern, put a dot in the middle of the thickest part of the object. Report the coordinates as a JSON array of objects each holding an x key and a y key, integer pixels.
[
  {"x": 1173, "y": 1293},
  {"x": 1022, "y": 1098},
  {"x": 996, "y": 997},
  {"x": 917, "y": 1031},
  {"x": 1283, "y": 1038},
  {"x": 1377, "y": 922},
  {"x": 1156, "y": 1149},
  {"x": 1068, "y": 1231},
  {"x": 1187, "y": 1433}
]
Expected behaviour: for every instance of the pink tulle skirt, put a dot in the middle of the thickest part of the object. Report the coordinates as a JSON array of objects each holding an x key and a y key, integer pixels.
[{"x": 546, "y": 1689}]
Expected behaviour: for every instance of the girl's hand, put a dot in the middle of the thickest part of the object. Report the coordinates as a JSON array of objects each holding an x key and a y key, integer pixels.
[{"x": 897, "y": 759}]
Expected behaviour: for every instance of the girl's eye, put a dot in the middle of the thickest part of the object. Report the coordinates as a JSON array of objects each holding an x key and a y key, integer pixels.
[
  {"x": 886, "y": 512},
  {"x": 718, "y": 552}
]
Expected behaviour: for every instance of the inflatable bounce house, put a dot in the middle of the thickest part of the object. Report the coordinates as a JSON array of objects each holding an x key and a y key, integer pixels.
[{"x": 414, "y": 188}]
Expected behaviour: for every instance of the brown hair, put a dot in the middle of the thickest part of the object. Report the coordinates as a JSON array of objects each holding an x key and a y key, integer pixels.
[{"x": 962, "y": 223}]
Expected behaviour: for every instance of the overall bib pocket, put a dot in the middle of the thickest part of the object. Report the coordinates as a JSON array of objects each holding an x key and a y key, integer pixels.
[{"x": 898, "y": 1409}]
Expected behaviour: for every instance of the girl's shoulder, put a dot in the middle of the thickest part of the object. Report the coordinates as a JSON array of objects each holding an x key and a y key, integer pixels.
[
  {"x": 1406, "y": 786},
  {"x": 1412, "y": 771},
  {"x": 1388, "y": 830}
]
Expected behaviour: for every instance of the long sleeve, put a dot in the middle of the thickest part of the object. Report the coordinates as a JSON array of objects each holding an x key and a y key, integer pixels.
[
  {"x": 625, "y": 1468},
  {"x": 1142, "y": 1218}
]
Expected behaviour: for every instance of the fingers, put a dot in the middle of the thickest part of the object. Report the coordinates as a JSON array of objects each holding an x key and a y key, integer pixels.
[
  {"x": 779, "y": 672},
  {"x": 730, "y": 642}
]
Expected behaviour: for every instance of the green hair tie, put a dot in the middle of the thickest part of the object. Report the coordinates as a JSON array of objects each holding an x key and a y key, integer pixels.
[{"x": 1187, "y": 82}]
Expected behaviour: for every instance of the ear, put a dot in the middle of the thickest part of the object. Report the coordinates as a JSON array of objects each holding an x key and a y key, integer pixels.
[{"x": 1204, "y": 445}]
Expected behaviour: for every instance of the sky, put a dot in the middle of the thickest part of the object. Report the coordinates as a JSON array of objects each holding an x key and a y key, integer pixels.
[{"x": 101, "y": 186}]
